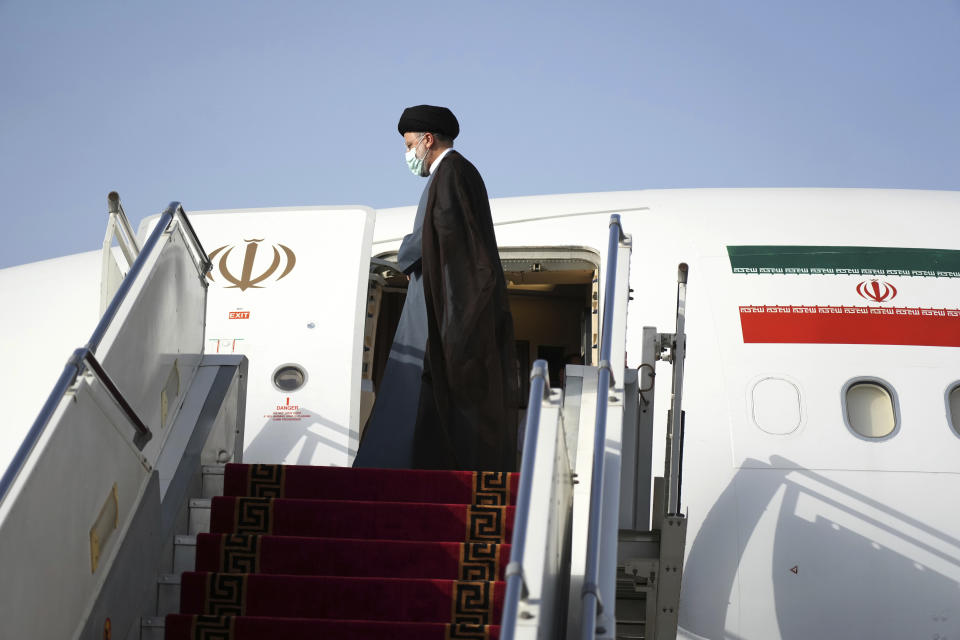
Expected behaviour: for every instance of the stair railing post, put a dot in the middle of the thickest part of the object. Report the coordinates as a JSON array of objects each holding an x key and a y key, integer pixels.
[
  {"x": 516, "y": 587},
  {"x": 675, "y": 420},
  {"x": 590, "y": 595}
]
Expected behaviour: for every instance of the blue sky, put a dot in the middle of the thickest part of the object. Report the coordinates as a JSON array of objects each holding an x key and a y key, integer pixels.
[{"x": 225, "y": 104}]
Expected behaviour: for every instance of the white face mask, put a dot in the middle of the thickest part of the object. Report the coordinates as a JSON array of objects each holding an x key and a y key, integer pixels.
[{"x": 416, "y": 164}]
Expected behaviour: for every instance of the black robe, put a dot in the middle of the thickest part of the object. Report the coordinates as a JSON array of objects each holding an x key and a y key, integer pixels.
[
  {"x": 388, "y": 437},
  {"x": 467, "y": 416}
]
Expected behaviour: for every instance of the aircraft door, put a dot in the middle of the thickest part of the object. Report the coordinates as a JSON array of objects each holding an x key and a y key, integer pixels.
[{"x": 287, "y": 290}]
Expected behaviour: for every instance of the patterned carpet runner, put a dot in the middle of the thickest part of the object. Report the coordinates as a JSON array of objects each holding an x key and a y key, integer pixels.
[{"x": 353, "y": 554}]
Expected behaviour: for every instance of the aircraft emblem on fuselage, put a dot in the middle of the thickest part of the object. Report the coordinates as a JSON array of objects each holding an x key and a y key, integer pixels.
[
  {"x": 247, "y": 280},
  {"x": 877, "y": 291}
]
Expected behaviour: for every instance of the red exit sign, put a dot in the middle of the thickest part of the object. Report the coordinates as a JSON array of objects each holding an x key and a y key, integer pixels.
[{"x": 239, "y": 315}]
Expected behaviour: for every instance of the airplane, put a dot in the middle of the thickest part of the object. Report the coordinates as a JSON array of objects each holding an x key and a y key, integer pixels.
[{"x": 742, "y": 418}]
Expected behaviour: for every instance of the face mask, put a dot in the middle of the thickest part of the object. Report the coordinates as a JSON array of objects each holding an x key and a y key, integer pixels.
[{"x": 416, "y": 164}]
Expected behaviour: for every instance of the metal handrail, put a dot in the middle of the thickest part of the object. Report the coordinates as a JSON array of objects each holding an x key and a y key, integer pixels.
[
  {"x": 64, "y": 382},
  {"x": 174, "y": 209},
  {"x": 143, "y": 431},
  {"x": 202, "y": 257},
  {"x": 86, "y": 356},
  {"x": 516, "y": 587},
  {"x": 674, "y": 463},
  {"x": 128, "y": 241},
  {"x": 590, "y": 595}
]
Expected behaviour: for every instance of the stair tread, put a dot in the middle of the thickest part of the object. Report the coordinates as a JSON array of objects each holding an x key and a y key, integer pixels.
[
  {"x": 394, "y": 485},
  {"x": 299, "y": 555},
  {"x": 181, "y": 626},
  {"x": 331, "y": 579},
  {"x": 406, "y": 599},
  {"x": 361, "y": 519}
]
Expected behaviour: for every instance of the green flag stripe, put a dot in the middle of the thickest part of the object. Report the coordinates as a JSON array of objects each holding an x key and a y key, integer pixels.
[{"x": 891, "y": 261}]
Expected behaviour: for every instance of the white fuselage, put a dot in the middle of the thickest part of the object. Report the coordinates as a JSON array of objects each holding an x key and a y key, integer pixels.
[{"x": 799, "y": 526}]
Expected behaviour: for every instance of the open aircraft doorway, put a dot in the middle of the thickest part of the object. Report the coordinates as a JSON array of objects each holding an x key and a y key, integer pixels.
[{"x": 554, "y": 300}]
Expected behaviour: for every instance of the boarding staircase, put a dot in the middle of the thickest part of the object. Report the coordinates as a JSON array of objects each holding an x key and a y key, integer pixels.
[
  {"x": 326, "y": 552},
  {"x": 189, "y": 542}
]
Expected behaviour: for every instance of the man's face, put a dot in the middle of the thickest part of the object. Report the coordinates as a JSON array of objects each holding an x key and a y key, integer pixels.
[{"x": 411, "y": 139}]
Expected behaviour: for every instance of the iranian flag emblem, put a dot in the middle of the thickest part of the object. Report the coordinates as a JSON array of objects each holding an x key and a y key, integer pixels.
[{"x": 848, "y": 295}]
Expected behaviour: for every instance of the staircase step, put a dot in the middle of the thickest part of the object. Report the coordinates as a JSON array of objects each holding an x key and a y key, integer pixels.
[
  {"x": 387, "y": 485},
  {"x": 358, "y": 519},
  {"x": 375, "y": 599},
  {"x": 212, "y": 478},
  {"x": 289, "y": 555},
  {"x": 184, "y": 553},
  {"x": 168, "y": 594},
  {"x": 152, "y": 628},
  {"x": 187, "y": 627},
  {"x": 199, "y": 515}
]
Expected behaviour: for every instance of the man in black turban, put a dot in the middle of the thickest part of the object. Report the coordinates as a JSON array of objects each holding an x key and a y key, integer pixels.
[{"x": 449, "y": 394}]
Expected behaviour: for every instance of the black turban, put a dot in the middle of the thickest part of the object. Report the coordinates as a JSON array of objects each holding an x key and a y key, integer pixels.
[{"x": 425, "y": 118}]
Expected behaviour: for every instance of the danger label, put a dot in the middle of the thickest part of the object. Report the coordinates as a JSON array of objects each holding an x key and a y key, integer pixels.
[{"x": 287, "y": 412}]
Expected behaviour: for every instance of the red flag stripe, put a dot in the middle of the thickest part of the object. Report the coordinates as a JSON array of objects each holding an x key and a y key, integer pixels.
[{"x": 851, "y": 325}]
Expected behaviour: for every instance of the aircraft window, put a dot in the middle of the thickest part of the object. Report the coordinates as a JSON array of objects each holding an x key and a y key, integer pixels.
[
  {"x": 870, "y": 408},
  {"x": 289, "y": 377},
  {"x": 776, "y": 406},
  {"x": 953, "y": 407}
]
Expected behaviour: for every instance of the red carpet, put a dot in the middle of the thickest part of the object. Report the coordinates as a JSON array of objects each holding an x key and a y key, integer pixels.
[
  {"x": 356, "y": 519},
  {"x": 290, "y": 555},
  {"x": 385, "y": 485},
  {"x": 252, "y": 628},
  {"x": 353, "y": 554}
]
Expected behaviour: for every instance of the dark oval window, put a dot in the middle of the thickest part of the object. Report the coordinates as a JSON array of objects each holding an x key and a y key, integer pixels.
[
  {"x": 870, "y": 409},
  {"x": 953, "y": 407},
  {"x": 289, "y": 377}
]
